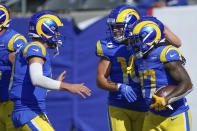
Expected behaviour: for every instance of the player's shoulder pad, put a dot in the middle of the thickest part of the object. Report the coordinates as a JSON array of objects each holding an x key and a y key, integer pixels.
[
  {"x": 105, "y": 48},
  {"x": 34, "y": 49},
  {"x": 16, "y": 40},
  {"x": 170, "y": 53}
]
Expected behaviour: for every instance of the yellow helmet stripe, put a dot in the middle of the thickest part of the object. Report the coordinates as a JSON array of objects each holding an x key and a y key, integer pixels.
[
  {"x": 35, "y": 43},
  {"x": 124, "y": 13},
  {"x": 53, "y": 17},
  {"x": 99, "y": 49},
  {"x": 158, "y": 36},
  {"x": 39, "y": 27},
  {"x": 7, "y": 15},
  {"x": 139, "y": 26}
]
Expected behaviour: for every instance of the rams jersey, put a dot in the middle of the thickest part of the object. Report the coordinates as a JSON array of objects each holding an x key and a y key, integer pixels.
[
  {"x": 10, "y": 41},
  {"x": 153, "y": 76},
  {"x": 29, "y": 100},
  {"x": 121, "y": 57}
]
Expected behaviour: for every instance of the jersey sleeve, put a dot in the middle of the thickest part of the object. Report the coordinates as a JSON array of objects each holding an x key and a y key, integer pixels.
[
  {"x": 34, "y": 49},
  {"x": 170, "y": 53},
  {"x": 16, "y": 41},
  {"x": 102, "y": 49}
]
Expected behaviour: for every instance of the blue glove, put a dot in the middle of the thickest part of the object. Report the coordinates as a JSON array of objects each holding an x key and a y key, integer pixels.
[{"x": 127, "y": 92}]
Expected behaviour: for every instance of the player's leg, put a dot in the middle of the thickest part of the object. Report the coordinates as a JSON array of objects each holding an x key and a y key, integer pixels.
[
  {"x": 39, "y": 123},
  {"x": 180, "y": 122},
  {"x": 152, "y": 122},
  {"x": 118, "y": 119},
  {"x": 2, "y": 125},
  {"x": 8, "y": 107},
  {"x": 137, "y": 120}
]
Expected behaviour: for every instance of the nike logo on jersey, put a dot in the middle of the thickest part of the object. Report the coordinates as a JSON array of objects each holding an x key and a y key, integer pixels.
[
  {"x": 173, "y": 118},
  {"x": 35, "y": 50},
  {"x": 172, "y": 55}
]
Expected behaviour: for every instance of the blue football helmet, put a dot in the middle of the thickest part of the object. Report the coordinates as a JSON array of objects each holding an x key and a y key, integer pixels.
[
  {"x": 120, "y": 16},
  {"x": 158, "y": 22},
  {"x": 4, "y": 16},
  {"x": 45, "y": 25},
  {"x": 146, "y": 34}
]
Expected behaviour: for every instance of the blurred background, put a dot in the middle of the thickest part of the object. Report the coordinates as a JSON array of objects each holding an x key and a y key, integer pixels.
[{"x": 84, "y": 24}]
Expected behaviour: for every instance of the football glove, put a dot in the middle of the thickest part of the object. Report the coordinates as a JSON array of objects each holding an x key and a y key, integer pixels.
[
  {"x": 127, "y": 92},
  {"x": 159, "y": 104}
]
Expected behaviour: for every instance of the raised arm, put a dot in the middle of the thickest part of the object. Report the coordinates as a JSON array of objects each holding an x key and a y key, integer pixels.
[{"x": 171, "y": 37}]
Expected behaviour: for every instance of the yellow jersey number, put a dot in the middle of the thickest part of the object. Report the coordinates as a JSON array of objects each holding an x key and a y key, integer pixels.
[
  {"x": 127, "y": 69},
  {"x": 144, "y": 75}
]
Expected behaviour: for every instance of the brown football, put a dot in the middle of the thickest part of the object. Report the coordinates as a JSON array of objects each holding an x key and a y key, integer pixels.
[{"x": 163, "y": 91}]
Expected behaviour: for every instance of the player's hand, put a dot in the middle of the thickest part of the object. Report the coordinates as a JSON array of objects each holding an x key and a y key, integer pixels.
[
  {"x": 79, "y": 89},
  {"x": 159, "y": 104},
  {"x": 61, "y": 76},
  {"x": 127, "y": 92}
]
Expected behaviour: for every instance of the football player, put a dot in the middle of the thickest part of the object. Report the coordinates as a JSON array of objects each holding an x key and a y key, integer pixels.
[
  {"x": 160, "y": 65},
  {"x": 126, "y": 107},
  {"x": 125, "y": 102},
  {"x": 32, "y": 72},
  {"x": 10, "y": 41}
]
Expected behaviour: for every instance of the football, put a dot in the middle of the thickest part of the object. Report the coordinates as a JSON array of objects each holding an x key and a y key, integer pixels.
[{"x": 163, "y": 91}]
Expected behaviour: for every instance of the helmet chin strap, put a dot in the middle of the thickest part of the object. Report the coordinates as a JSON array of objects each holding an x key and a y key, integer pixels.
[
  {"x": 1, "y": 29},
  {"x": 120, "y": 39},
  {"x": 140, "y": 54},
  {"x": 56, "y": 53}
]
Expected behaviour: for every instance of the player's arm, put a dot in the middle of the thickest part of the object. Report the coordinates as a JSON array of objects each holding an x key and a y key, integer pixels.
[
  {"x": 13, "y": 45},
  {"x": 179, "y": 74},
  {"x": 171, "y": 37},
  {"x": 38, "y": 79},
  {"x": 11, "y": 57},
  {"x": 103, "y": 71}
]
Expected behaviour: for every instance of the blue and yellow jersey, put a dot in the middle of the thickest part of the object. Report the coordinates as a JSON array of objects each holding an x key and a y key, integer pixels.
[
  {"x": 122, "y": 71},
  {"x": 153, "y": 76},
  {"x": 29, "y": 100},
  {"x": 10, "y": 41}
]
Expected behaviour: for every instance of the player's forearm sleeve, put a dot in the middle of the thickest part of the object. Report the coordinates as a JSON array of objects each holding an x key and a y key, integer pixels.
[{"x": 37, "y": 78}]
